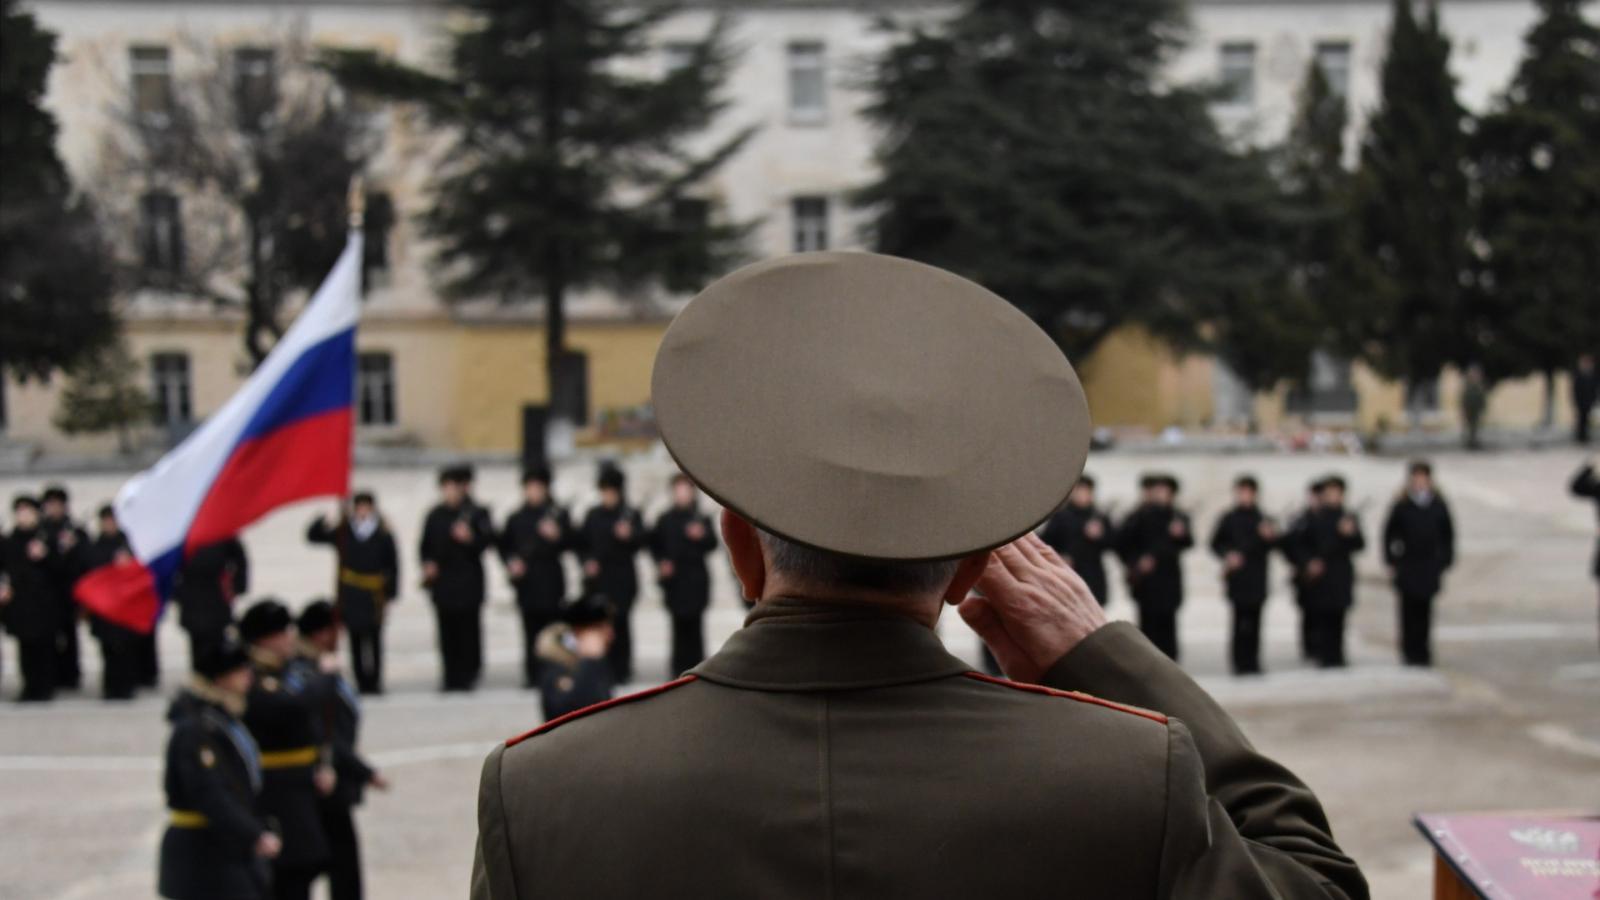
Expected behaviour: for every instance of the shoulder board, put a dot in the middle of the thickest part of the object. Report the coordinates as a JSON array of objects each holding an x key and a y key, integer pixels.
[
  {"x": 1070, "y": 695},
  {"x": 597, "y": 707}
]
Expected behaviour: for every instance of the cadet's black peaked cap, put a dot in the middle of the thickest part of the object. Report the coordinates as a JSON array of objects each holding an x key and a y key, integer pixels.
[
  {"x": 317, "y": 615},
  {"x": 265, "y": 617},
  {"x": 871, "y": 406},
  {"x": 215, "y": 662}
]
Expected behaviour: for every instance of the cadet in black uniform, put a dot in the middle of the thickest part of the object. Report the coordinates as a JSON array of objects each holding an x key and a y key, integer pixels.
[
  {"x": 1290, "y": 545},
  {"x": 454, "y": 536},
  {"x": 612, "y": 533},
  {"x": 283, "y": 715},
  {"x": 205, "y": 589},
  {"x": 217, "y": 844},
  {"x": 340, "y": 709},
  {"x": 1150, "y": 542},
  {"x": 531, "y": 545},
  {"x": 1587, "y": 484},
  {"x": 119, "y": 646},
  {"x": 576, "y": 673},
  {"x": 1419, "y": 544},
  {"x": 1243, "y": 540},
  {"x": 682, "y": 538},
  {"x": 369, "y": 579},
  {"x": 1325, "y": 543},
  {"x": 1081, "y": 533},
  {"x": 30, "y": 606},
  {"x": 68, "y": 542}
]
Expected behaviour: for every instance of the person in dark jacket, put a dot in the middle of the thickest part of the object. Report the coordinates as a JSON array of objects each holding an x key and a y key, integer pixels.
[
  {"x": 531, "y": 546},
  {"x": 1326, "y": 543},
  {"x": 368, "y": 581},
  {"x": 283, "y": 716},
  {"x": 1081, "y": 533},
  {"x": 1585, "y": 392},
  {"x": 119, "y": 645},
  {"x": 30, "y": 602},
  {"x": 680, "y": 542},
  {"x": 1243, "y": 540},
  {"x": 1419, "y": 541},
  {"x": 454, "y": 536},
  {"x": 1290, "y": 545},
  {"x": 611, "y": 536},
  {"x": 340, "y": 710},
  {"x": 1587, "y": 484},
  {"x": 576, "y": 673},
  {"x": 211, "y": 578},
  {"x": 1150, "y": 542},
  {"x": 217, "y": 845},
  {"x": 68, "y": 542}
]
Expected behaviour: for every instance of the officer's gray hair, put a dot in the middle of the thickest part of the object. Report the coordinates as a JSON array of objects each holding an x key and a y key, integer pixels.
[{"x": 826, "y": 568}]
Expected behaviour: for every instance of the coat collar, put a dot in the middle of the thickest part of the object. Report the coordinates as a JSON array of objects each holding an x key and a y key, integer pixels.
[{"x": 799, "y": 645}]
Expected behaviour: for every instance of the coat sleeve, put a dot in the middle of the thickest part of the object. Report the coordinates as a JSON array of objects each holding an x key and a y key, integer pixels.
[
  {"x": 1220, "y": 544},
  {"x": 1239, "y": 825},
  {"x": 1392, "y": 536},
  {"x": 1585, "y": 483},
  {"x": 1356, "y": 542},
  {"x": 493, "y": 875},
  {"x": 319, "y": 532},
  {"x": 1447, "y": 536},
  {"x": 391, "y": 566},
  {"x": 241, "y": 567}
]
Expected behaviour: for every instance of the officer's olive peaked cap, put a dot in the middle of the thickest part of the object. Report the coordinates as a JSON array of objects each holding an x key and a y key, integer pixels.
[{"x": 870, "y": 406}]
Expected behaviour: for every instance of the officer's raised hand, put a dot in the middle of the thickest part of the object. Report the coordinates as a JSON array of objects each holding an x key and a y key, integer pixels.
[{"x": 1031, "y": 608}]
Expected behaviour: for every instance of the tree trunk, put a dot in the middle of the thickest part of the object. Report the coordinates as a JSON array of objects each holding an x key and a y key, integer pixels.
[{"x": 1547, "y": 415}]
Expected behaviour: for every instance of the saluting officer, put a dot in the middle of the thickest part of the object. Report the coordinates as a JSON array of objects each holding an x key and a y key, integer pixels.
[
  {"x": 531, "y": 546},
  {"x": 211, "y": 578},
  {"x": 576, "y": 673},
  {"x": 1081, "y": 533},
  {"x": 872, "y": 427},
  {"x": 1243, "y": 540},
  {"x": 68, "y": 542},
  {"x": 610, "y": 538},
  {"x": 369, "y": 579},
  {"x": 30, "y": 602},
  {"x": 680, "y": 542},
  {"x": 1328, "y": 539},
  {"x": 1150, "y": 542},
  {"x": 1419, "y": 544},
  {"x": 340, "y": 710},
  {"x": 283, "y": 716},
  {"x": 454, "y": 536},
  {"x": 120, "y": 646},
  {"x": 217, "y": 843}
]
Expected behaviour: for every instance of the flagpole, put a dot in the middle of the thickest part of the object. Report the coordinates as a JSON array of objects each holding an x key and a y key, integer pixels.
[{"x": 356, "y": 200}]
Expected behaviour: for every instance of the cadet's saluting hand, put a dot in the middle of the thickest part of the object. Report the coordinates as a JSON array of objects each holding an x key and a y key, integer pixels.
[
  {"x": 269, "y": 845},
  {"x": 1031, "y": 608}
]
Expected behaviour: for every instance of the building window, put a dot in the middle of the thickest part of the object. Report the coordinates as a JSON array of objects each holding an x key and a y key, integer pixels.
[
  {"x": 810, "y": 224},
  {"x": 677, "y": 55},
  {"x": 255, "y": 85},
  {"x": 808, "y": 82},
  {"x": 161, "y": 235},
  {"x": 690, "y": 263},
  {"x": 169, "y": 373},
  {"x": 151, "y": 68},
  {"x": 375, "y": 388},
  {"x": 1237, "y": 73},
  {"x": 1333, "y": 58}
]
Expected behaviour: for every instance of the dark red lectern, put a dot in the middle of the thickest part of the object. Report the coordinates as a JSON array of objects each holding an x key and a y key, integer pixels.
[{"x": 1514, "y": 855}]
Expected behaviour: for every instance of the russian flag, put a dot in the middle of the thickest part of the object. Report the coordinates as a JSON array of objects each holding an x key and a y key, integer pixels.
[{"x": 285, "y": 436}]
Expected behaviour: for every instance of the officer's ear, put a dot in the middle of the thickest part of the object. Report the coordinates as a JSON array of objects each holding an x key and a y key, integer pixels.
[
  {"x": 967, "y": 575},
  {"x": 744, "y": 549}
]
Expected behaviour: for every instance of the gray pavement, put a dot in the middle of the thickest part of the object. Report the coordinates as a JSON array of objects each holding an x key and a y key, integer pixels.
[{"x": 1508, "y": 720}]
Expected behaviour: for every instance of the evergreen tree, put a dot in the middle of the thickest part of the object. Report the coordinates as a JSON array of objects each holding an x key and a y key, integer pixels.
[
  {"x": 55, "y": 273},
  {"x": 569, "y": 165},
  {"x": 1036, "y": 147},
  {"x": 1403, "y": 304},
  {"x": 1538, "y": 173},
  {"x": 100, "y": 395}
]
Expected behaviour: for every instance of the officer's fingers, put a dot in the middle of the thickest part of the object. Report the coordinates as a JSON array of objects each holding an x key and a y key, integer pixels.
[
  {"x": 980, "y": 616},
  {"x": 998, "y": 581}
]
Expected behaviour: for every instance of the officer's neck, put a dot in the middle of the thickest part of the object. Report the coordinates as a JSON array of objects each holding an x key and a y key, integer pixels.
[{"x": 922, "y": 608}]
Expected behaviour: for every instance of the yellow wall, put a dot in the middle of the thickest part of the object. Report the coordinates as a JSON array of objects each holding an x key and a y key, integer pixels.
[{"x": 1134, "y": 380}]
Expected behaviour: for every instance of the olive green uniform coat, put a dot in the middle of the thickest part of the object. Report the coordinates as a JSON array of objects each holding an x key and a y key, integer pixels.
[{"x": 834, "y": 751}]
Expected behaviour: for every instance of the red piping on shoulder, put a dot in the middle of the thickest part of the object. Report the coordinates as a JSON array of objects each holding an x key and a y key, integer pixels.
[
  {"x": 1070, "y": 695},
  {"x": 603, "y": 704}
]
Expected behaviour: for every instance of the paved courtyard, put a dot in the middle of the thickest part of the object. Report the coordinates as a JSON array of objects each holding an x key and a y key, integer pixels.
[{"x": 1510, "y": 719}]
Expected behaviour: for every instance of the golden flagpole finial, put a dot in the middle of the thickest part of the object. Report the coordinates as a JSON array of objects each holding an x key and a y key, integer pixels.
[{"x": 357, "y": 201}]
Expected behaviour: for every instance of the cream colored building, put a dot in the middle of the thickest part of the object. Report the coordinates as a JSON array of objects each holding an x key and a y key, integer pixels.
[{"x": 445, "y": 378}]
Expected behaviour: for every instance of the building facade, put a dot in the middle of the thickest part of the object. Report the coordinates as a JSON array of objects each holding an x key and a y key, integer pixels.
[{"x": 451, "y": 377}]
